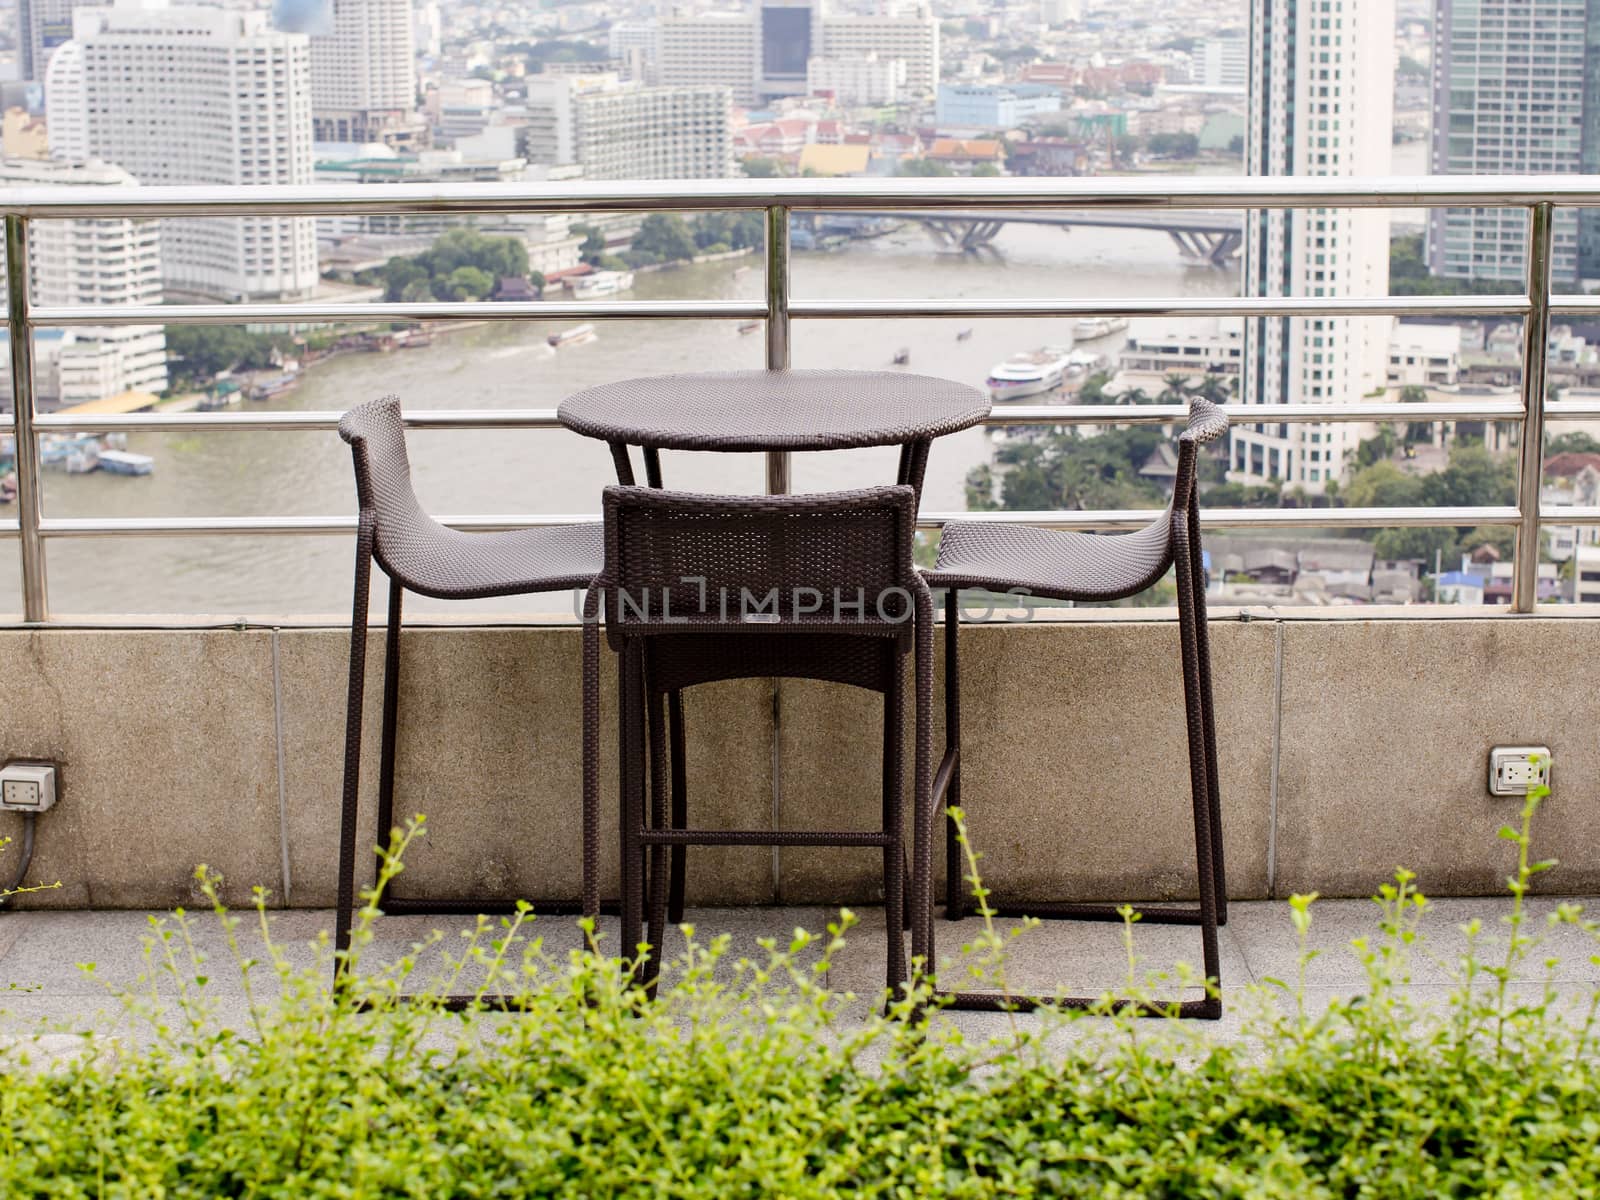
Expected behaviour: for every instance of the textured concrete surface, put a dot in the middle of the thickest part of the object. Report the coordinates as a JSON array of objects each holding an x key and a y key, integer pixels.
[
  {"x": 1385, "y": 744},
  {"x": 167, "y": 755},
  {"x": 43, "y": 986},
  {"x": 1365, "y": 751}
]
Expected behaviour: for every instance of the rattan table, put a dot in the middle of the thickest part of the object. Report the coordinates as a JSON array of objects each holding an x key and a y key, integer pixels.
[
  {"x": 756, "y": 411},
  {"x": 761, "y": 412}
]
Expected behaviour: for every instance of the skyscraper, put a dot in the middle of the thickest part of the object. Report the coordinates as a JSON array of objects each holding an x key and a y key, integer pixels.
[
  {"x": 790, "y": 35},
  {"x": 42, "y": 26},
  {"x": 1511, "y": 95},
  {"x": 363, "y": 72},
  {"x": 1321, "y": 103},
  {"x": 203, "y": 95}
]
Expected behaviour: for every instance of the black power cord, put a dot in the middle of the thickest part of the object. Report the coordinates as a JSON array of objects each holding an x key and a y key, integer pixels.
[{"x": 6, "y": 890}]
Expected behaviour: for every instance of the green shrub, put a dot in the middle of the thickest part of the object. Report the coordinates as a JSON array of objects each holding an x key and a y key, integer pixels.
[{"x": 759, "y": 1081}]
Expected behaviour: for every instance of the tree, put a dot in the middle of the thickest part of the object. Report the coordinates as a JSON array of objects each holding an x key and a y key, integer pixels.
[
  {"x": 1068, "y": 471},
  {"x": 664, "y": 237},
  {"x": 469, "y": 283},
  {"x": 594, "y": 244},
  {"x": 1566, "y": 443},
  {"x": 1174, "y": 145},
  {"x": 925, "y": 167},
  {"x": 759, "y": 168},
  {"x": 418, "y": 291},
  {"x": 1236, "y": 144},
  {"x": 438, "y": 266},
  {"x": 985, "y": 171}
]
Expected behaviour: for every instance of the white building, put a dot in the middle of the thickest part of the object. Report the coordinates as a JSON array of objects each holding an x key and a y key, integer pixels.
[
  {"x": 1321, "y": 103},
  {"x": 716, "y": 50},
  {"x": 1424, "y": 355},
  {"x": 635, "y": 44},
  {"x": 913, "y": 38},
  {"x": 203, "y": 96},
  {"x": 620, "y": 131},
  {"x": 363, "y": 72},
  {"x": 427, "y": 29},
  {"x": 856, "y": 82},
  {"x": 1223, "y": 62},
  {"x": 1060, "y": 12},
  {"x": 463, "y": 108},
  {"x": 89, "y": 261},
  {"x": 1196, "y": 348},
  {"x": 67, "y": 131},
  {"x": 755, "y": 52}
]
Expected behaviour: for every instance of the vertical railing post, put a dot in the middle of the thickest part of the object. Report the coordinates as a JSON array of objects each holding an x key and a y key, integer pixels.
[
  {"x": 35, "y": 606},
  {"x": 1535, "y": 342},
  {"x": 777, "y": 326}
]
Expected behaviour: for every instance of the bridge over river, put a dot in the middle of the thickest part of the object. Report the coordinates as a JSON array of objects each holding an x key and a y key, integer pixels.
[{"x": 1202, "y": 235}]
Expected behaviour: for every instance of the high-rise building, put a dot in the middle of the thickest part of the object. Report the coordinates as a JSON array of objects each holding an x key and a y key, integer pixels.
[
  {"x": 44, "y": 25},
  {"x": 867, "y": 80},
  {"x": 363, "y": 72},
  {"x": 204, "y": 95},
  {"x": 88, "y": 261},
  {"x": 911, "y": 35},
  {"x": 1321, "y": 103},
  {"x": 762, "y": 54},
  {"x": 67, "y": 131},
  {"x": 716, "y": 50},
  {"x": 790, "y": 36},
  {"x": 1223, "y": 62},
  {"x": 634, "y": 44},
  {"x": 1512, "y": 96},
  {"x": 616, "y": 131}
]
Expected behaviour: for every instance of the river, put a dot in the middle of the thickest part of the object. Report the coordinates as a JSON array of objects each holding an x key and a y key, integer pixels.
[{"x": 508, "y": 365}]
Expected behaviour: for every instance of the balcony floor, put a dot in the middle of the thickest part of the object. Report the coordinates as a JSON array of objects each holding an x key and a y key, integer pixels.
[{"x": 46, "y": 991}]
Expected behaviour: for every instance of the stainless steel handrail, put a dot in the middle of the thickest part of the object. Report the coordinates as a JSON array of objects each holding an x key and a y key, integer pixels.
[{"x": 778, "y": 199}]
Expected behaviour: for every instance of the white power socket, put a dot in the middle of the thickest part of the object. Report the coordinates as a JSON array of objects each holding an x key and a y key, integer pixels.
[
  {"x": 27, "y": 786},
  {"x": 1515, "y": 770}
]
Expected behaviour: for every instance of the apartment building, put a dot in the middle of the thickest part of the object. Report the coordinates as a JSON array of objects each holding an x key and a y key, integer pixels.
[{"x": 196, "y": 96}]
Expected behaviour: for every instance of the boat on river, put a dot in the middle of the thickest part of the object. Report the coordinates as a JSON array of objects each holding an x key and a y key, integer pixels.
[
  {"x": 1089, "y": 328},
  {"x": 1029, "y": 374},
  {"x": 126, "y": 462},
  {"x": 575, "y": 336}
]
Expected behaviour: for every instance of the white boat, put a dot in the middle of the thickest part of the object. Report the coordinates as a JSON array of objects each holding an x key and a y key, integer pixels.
[
  {"x": 126, "y": 462},
  {"x": 1089, "y": 328},
  {"x": 600, "y": 283},
  {"x": 1028, "y": 374},
  {"x": 577, "y": 335}
]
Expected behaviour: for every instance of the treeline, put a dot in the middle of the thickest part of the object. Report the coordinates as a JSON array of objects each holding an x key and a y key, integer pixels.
[
  {"x": 462, "y": 265},
  {"x": 668, "y": 237}
]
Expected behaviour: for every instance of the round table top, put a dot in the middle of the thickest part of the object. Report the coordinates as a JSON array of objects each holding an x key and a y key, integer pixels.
[{"x": 773, "y": 410}]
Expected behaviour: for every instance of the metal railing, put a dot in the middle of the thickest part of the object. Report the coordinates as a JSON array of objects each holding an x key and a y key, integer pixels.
[{"x": 1538, "y": 196}]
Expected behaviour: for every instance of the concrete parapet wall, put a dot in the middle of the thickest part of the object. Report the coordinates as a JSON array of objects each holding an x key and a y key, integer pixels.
[{"x": 1349, "y": 747}]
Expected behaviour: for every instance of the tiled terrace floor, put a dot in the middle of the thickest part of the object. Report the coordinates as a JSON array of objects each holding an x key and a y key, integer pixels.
[{"x": 40, "y": 980}]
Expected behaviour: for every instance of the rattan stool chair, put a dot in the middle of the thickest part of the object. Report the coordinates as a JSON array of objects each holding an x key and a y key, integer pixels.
[
  {"x": 419, "y": 554},
  {"x": 706, "y": 588},
  {"x": 1085, "y": 567}
]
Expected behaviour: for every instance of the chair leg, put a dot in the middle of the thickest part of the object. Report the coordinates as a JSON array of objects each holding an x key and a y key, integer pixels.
[
  {"x": 352, "y": 745},
  {"x": 1199, "y": 776},
  {"x": 391, "y": 717},
  {"x": 922, "y": 936},
  {"x": 955, "y": 892},
  {"x": 1207, "y": 712},
  {"x": 591, "y": 754},
  {"x": 680, "y": 805},
  {"x": 630, "y": 771},
  {"x": 894, "y": 854},
  {"x": 656, "y": 925}
]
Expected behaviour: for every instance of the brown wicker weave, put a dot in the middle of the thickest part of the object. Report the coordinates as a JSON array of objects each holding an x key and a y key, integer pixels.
[
  {"x": 1075, "y": 566},
  {"x": 419, "y": 554},
  {"x": 677, "y": 569},
  {"x": 773, "y": 410}
]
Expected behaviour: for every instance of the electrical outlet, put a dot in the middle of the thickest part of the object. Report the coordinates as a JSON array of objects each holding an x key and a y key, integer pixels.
[
  {"x": 27, "y": 786},
  {"x": 1515, "y": 770}
]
